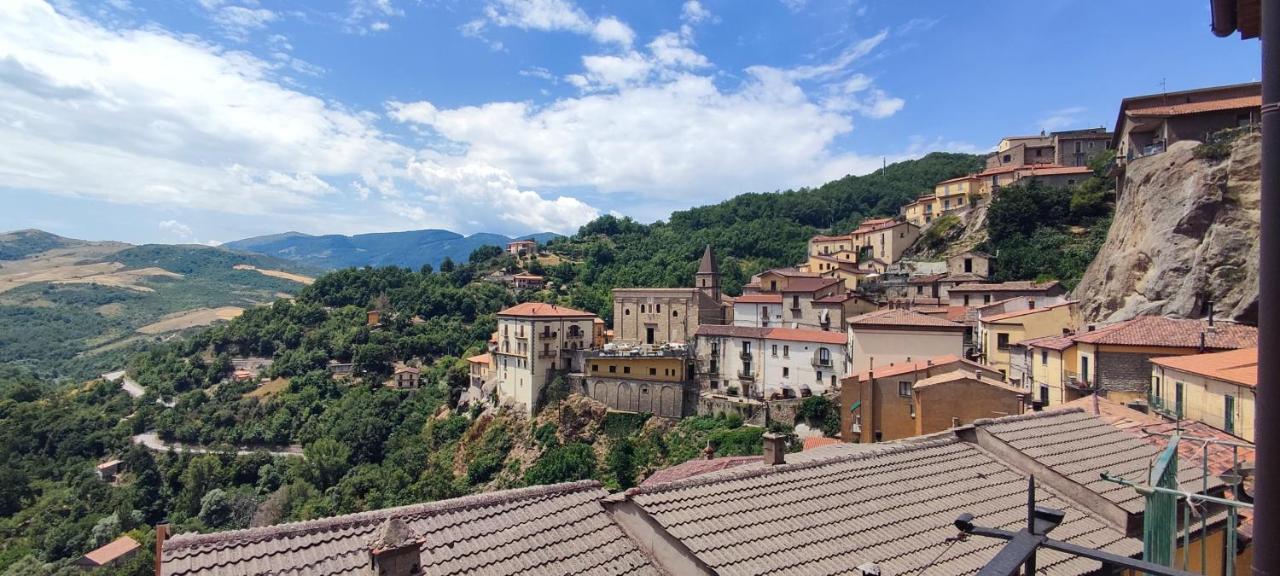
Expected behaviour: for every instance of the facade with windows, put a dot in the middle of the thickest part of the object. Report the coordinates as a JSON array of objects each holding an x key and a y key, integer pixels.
[
  {"x": 656, "y": 316},
  {"x": 534, "y": 344},
  {"x": 997, "y": 334},
  {"x": 655, "y": 381},
  {"x": 920, "y": 397},
  {"x": 1217, "y": 389},
  {"x": 769, "y": 363}
]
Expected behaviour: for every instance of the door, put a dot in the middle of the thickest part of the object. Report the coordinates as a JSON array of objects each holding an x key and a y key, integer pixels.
[
  {"x": 1229, "y": 413},
  {"x": 1177, "y": 400},
  {"x": 1084, "y": 371},
  {"x": 648, "y": 335}
]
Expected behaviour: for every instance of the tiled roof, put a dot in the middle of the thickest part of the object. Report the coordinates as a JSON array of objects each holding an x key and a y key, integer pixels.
[
  {"x": 1015, "y": 286},
  {"x": 963, "y": 277},
  {"x": 1058, "y": 343},
  {"x": 557, "y": 529},
  {"x": 112, "y": 550},
  {"x": 962, "y": 314},
  {"x": 481, "y": 359},
  {"x": 1027, "y": 312},
  {"x": 841, "y": 298},
  {"x": 812, "y": 442},
  {"x": 959, "y": 179},
  {"x": 527, "y": 277},
  {"x": 930, "y": 279},
  {"x": 1081, "y": 447},
  {"x": 543, "y": 310},
  {"x": 698, "y": 467},
  {"x": 893, "y": 506},
  {"x": 1238, "y": 366},
  {"x": 807, "y": 284},
  {"x": 1057, "y": 170},
  {"x": 790, "y": 334},
  {"x": 878, "y": 224},
  {"x": 708, "y": 263},
  {"x": 909, "y": 367},
  {"x": 822, "y": 238},
  {"x": 801, "y": 335},
  {"x": 901, "y": 317},
  {"x": 790, "y": 272},
  {"x": 1198, "y": 107},
  {"x": 958, "y": 375},
  {"x": 759, "y": 299},
  {"x": 1173, "y": 332}
]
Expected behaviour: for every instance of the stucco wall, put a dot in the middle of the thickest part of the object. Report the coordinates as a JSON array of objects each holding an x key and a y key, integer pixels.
[
  {"x": 873, "y": 348},
  {"x": 666, "y": 399}
]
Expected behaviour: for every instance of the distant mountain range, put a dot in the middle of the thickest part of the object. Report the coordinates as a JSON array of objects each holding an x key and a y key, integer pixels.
[{"x": 411, "y": 248}]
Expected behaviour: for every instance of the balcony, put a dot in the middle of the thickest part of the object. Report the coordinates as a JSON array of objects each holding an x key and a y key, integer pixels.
[
  {"x": 746, "y": 376},
  {"x": 819, "y": 362},
  {"x": 746, "y": 357},
  {"x": 521, "y": 336},
  {"x": 548, "y": 353},
  {"x": 1165, "y": 407}
]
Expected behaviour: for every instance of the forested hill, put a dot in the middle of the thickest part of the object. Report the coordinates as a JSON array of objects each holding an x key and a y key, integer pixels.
[{"x": 750, "y": 232}]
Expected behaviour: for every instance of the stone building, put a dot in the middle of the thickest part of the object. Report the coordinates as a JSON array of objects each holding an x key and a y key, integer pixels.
[
  {"x": 534, "y": 344},
  {"x": 640, "y": 379},
  {"x": 1148, "y": 125},
  {"x": 664, "y": 315}
]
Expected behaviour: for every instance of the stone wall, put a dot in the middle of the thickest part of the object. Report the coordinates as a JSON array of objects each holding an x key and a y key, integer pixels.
[
  {"x": 665, "y": 399},
  {"x": 752, "y": 412}
]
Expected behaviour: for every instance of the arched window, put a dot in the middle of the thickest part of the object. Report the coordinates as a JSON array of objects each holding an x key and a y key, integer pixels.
[
  {"x": 675, "y": 313},
  {"x": 626, "y": 311}
]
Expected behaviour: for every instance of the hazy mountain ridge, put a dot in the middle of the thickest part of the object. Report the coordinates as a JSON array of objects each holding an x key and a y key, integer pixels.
[{"x": 411, "y": 248}]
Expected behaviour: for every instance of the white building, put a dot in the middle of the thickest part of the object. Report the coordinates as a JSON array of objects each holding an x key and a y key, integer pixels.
[
  {"x": 534, "y": 343},
  {"x": 893, "y": 335},
  {"x": 766, "y": 363}
]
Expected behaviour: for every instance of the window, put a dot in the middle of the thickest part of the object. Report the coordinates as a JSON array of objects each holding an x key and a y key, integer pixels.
[
  {"x": 1006, "y": 158},
  {"x": 612, "y": 369},
  {"x": 904, "y": 389},
  {"x": 968, "y": 265},
  {"x": 966, "y": 299},
  {"x": 1044, "y": 395},
  {"x": 819, "y": 376},
  {"x": 642, "y": 308},
  {"x": 786, "y": 351},
  {"x": 626, "y": 369},
  {"x": 786, "y": 372},
  {"x": 1071, "y": 182},
  {"x": 986, "y": 298},
  {"x": 675, "y": 313},
  {"x": 919, "y": 289},
  {"x": 1229, "y": 413},
  {"x": 1002, "y": 341},
  {"x": 1177, "y": 399},
  {"x": 653, "y": 371},
  {"x": 626, "y": 311},
  {"x": 775, "y": 350},
  {"x": 1044, "y": 357},
  {"x": 595, "y": 367},
  {"x": 824, "y": 356},
  {"x": 657, "y": 308},
  {"x": 795, "y": 301},
  {"x": 773, "y": 285}
]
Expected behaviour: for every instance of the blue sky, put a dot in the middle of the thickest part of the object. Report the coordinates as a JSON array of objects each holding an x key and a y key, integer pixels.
[{"x": 212, "y": 120}]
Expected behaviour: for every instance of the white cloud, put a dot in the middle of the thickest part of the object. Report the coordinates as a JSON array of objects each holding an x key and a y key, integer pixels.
[
  {"x": 549, "y": 16},
  {"x": 237, "y": 22},
  {"x": 1061, "y": 118},
  {"x": 612, "y": 30},
  {"x": 177, "y": 230},
  {"x": 481, "y": 193},
  {"x": 694, "y": 12},
  {"x": 795, "y": 5},
  {"x": 365, "y": 16},
  {"x": 672, "y": 49},
  {"x": 145, "y": 117}
]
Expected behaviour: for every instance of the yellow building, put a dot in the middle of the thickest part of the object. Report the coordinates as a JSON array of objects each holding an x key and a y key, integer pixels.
[
  {"x": 1217, "y": 389},
  {"x": 997, "y": 333},
  {"x": 920, "y": 211},
  {"x": 653, "y": 368},
  {"x": 956, "y": 194},
  {"x": 1047, "y": 361}
]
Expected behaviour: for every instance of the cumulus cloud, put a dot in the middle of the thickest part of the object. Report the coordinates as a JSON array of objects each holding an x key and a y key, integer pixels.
[
  {"x": 694, "y": 12},
  {"x": 237, "y": 22},
  {"x": 367, "y": 16},
  {"x": 177, "y": 230},
  {"x": 146, "y": 117}
]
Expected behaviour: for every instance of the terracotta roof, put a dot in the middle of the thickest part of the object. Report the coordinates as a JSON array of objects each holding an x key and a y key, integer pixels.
[
  {"x": 1173, "y": 332},
  {"x": 408, "y": 369},
  {"x": 812, "y": 442},
  {"x": 930, "y": 279},
  {"x": 935, "y": 363},
  {"x": 698, "y": 467},
  {"x": 801, "y": 335},
  {"x": 1058, "y": 343},
  {"x": 1027, "y": 312},
  {"x": 963, "y": 277},
  {"x": 1081, "y": 447},
  {"x": 773, "y": 298},
  {"x": 804, "y": 284},
  {"x": 481, "y": 359},
  {"x": 108, "y": 464},
  {"x": 527, "y": 277},
  {"x": 958, "y": 375},
  {"x": 1057, "y": 170},
  {"x": 790, "y": 334},
  {"x": 1015, "y": 286},
  {"x": 901, "y": 317},
  {"x": 959, "y": 179},
  {"x": 1238, "y": 366},
  {"x": 112, "y": 551},
  {"x": 557, "y": 529},
  {"x": 1197, "y": 107},
  {"x": 840, "y": 298},
  {"x": 894, "y": 505},
  {"x": 962, "y": 314},
  {"x": 789, "y": 272},
  {"x": 823, "y": 238},
  {"x": 543, "y": 310},
  {"x": 878, "y": 224}
]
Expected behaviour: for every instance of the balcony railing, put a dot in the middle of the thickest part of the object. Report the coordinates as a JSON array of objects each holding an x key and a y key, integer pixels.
[
  {"x": 820, "y": 362},
  {"x": 548, "y": 353},
  {"x": 746, "y": 375},
  {"x": 1165, "y": 407}
]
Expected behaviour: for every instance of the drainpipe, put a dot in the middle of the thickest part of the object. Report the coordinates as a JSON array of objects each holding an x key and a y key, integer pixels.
[{"x": 1267, "y": 505}]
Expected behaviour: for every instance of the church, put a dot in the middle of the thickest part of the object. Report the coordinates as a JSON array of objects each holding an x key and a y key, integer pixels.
[{"x": 657, "y": 316}]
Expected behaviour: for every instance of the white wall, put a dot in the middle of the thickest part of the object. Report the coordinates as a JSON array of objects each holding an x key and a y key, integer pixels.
[
  {"x": 797, "y": 359},
  {"x": 878, "y": 348}
]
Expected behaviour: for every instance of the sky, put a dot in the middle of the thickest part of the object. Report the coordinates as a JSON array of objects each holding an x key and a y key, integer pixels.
[{"x": 205, "y": 121}]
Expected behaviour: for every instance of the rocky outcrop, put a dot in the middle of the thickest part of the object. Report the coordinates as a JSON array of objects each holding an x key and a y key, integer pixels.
[{"x": 1185, "y": 230}]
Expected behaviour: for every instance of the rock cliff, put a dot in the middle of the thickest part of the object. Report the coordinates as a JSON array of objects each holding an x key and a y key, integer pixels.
[{"x": 1185, "y": 230}]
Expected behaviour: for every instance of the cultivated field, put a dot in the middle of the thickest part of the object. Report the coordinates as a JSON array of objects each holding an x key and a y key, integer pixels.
[
  {"x": 191, "y": 319},
  {"x": 277, "y": 274}
]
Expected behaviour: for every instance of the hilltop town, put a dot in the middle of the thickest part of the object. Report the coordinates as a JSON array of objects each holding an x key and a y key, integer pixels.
[{"x": 896, "y": 373}]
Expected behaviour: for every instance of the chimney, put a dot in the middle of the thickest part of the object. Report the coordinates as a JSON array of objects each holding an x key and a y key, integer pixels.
[
  {"x": 162, "y": 533},
  {"x": 775, "y": 449},
  {"x": 709, "y": 452},
  {"x": 395, "y": 550}
]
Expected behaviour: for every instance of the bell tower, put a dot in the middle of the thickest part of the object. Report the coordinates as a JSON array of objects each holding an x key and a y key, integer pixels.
[{"x": 708, "y": 277}]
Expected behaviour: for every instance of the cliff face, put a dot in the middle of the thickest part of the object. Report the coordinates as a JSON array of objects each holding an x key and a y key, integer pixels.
[{"x": 1185, "y": 229}]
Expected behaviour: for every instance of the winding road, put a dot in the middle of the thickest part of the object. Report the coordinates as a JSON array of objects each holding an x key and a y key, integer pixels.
[{"x": 152, "y": 441}]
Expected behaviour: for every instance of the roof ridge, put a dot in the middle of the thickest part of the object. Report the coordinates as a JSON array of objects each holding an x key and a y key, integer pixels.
[
  {"x": 187, "y": 540},
  {"x": 1027, "y": 416},
  {"x": 754, "y": 472}
]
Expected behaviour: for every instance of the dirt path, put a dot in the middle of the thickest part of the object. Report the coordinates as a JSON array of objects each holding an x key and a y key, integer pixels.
[{"x": 153, "y": 442}]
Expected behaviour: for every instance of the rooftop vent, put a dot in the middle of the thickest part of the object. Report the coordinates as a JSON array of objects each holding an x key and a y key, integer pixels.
[
  {"x": 395, "y": 550},
  {"x": 775, "y": 449}
]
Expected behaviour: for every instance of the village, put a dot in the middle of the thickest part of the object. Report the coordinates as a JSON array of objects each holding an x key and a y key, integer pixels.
[{"x": 942, "y": 378}]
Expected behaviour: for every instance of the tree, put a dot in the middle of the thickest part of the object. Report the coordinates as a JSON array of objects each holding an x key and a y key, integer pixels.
[
  {"x": 566, "y": 463},
  {"x": 203, "y": 474},
  {"x": 372, "y": 359},
  {"x": 620, "y": 463},
  {"x": 485, "y": 253},
  {"x": 327, "y": 461},
  {"x": 447, "y": 266}
]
